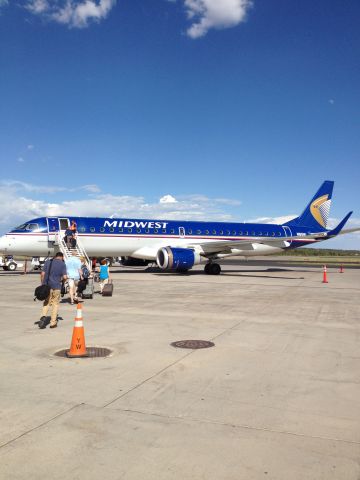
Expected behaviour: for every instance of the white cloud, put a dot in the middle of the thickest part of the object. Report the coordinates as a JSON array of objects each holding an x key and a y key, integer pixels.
[
  {"x": 30, "y": 147},
  {"x": 271, "y": 220},
  {"x": 73, "y": 13},
  {"x": 207, "y": 14},
  {"x": 4, "y": 3},
  {"x": 167, "y": 199},
  {"x": 20, "y": 159},
  {"x": 203, "y": 14},
  {"x": 17, "y": 204},
  {"x": 17, "y": 186},
  {"x": 38, "y": 6}
]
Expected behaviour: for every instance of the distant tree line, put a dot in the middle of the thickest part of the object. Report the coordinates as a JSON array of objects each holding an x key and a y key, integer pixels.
[{"x": 320, "y": 252}]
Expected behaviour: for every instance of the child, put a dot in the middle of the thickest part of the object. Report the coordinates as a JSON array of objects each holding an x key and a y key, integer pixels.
[{"x": 104, "y": 275}]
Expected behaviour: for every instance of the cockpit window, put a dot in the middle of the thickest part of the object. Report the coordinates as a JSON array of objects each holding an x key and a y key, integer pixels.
[
  {"x": 21, "y": 227},
  {"x": 32, "y": 226}
]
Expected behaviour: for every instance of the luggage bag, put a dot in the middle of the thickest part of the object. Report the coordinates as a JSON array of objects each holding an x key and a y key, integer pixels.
[
  {"x": 108, "y": 290},
  {"x": 89, "y": 290}
]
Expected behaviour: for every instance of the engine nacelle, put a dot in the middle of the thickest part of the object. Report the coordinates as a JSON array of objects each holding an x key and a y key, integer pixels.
[{"x": 170, "y": 258}]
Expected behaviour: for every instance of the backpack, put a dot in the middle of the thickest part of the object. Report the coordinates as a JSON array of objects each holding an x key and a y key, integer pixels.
[
  {"x": 42, "y": 292},
  {"x": 81, "y": 285},
  {"x": 85, "y": 271}
]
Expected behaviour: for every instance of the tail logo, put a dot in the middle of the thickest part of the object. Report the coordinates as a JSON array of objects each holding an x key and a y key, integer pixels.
[{"x": 320, "y": 209}]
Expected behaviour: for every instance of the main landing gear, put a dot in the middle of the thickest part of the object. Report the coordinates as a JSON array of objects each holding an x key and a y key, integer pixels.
[{"x": 212, "y": 269}]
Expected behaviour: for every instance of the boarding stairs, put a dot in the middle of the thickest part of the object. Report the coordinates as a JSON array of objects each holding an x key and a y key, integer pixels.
[{"x": 77, "y": 251}]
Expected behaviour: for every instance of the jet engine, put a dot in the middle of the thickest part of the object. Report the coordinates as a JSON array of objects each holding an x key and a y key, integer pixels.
[{"x": 170, "y": 258}]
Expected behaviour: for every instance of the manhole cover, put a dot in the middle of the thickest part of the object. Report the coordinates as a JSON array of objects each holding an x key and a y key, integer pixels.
[
  {"x": 193, "y": 344},
  {"x": 92, "y": 352}
]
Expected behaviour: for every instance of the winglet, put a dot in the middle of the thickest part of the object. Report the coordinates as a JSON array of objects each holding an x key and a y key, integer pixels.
[{"x": 338, "y": 229}]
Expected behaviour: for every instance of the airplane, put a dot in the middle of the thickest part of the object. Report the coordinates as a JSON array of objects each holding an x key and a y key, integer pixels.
[{"x": 173, "y": 244}]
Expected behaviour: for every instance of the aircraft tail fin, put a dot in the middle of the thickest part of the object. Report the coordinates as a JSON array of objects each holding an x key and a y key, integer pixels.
[{"x": 316, "y": 214}]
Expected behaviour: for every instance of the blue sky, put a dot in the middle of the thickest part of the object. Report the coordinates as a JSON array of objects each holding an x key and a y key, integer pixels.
[{"x": 209, "y": 109}]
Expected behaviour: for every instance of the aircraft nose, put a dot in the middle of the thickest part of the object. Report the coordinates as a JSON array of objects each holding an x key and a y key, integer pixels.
[{"x": 4, "y": 243}]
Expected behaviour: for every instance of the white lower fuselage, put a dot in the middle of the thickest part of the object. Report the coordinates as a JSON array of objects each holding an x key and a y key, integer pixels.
[{"x": 112, "y": 245}]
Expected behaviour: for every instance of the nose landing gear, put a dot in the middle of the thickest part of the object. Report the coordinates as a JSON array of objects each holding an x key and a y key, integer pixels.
[{"x": 212, "y": 269}]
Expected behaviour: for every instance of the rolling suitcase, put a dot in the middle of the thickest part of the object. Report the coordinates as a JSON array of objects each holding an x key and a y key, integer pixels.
[
  {"x": 108, "y": 290},
  {"x": 89, "y": 290}
]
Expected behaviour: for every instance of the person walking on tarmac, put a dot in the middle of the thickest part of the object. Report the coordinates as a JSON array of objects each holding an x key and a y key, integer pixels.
[
  {"x": 53, "y": 274},
  {"x": 74, "y": 273},
  {"x": 104, "y": 275}
]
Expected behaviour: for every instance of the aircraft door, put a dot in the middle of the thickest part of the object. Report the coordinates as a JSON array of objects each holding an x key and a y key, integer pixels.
[
  {"x": 181, "y": 232},
  {"x": 64, "y": 224},
  {"x": 55, "y": 226},
  {"x": 288, "y": 233}
]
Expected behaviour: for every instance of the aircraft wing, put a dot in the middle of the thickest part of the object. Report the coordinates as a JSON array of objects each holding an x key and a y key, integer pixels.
[{"x": 225, "y": 246}]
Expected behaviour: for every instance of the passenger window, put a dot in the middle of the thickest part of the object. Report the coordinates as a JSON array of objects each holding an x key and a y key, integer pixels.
[
  {"x": 129, "y": 230},
  {"x": 92, "y": 229},
  {"x": 240, "y": 233},
  {"x": 260, "y": 234},
  {"x": 273, "y": 234},
  {"x": 102, "y": 229},
  {"x": 198, "y": 232},
  {"x": 246, "y": 233},
  {"x": 279, "y": 234},
  {"x": 164, "y": 230},
  {"x": 82, "y": 229},
  {"x": 234, "y": 233},
  {"x": 111, "y": 229},
  {"x": 228, "y": 232},
  {"x": 138, "y": 230},
  {"x": 214, "y": 232},
  {"x": 156, "y": 230},
  {"x": 172, "y": 231},
  {"x": 253, "y": 234},
  {"x": 147, "y": 230},
  {"x": 121, "y": 230},
  {"x": 189, "y": 231},
  {"x": 207, "y": 232}
]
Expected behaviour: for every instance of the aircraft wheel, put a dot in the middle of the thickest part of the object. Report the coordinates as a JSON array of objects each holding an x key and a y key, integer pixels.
[
  {"x": 12, "y": 267},
  {"x": 212, "y": 269}
]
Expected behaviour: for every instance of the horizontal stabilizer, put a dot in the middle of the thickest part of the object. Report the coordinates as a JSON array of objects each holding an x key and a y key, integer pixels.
[{"x": 337, "y": 230}]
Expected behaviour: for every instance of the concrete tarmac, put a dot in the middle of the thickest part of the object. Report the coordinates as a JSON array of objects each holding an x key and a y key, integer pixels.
[{"x": 277, "y": 397}]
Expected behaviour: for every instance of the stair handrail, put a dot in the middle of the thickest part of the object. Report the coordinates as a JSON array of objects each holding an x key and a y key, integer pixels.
[{"x": 79, "y": 250}]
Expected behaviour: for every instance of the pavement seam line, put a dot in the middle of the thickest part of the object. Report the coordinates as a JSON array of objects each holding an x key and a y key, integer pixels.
[
  {"x": 41, "y": 425},
  {"x": 247, "y": 427},
  {"x": 147, "y": 379},
  {"x": 165, "y": 368}
]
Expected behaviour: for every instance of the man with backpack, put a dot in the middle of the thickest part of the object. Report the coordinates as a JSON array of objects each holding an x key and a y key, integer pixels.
[{"x": 53, "y": 274}]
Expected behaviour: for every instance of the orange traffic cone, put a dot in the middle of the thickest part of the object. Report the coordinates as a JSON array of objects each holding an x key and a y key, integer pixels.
[
  {"x": 78, "y": 347},
  {"x": 325, "y": 276},
  {"x": 341, "y": 269}
]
